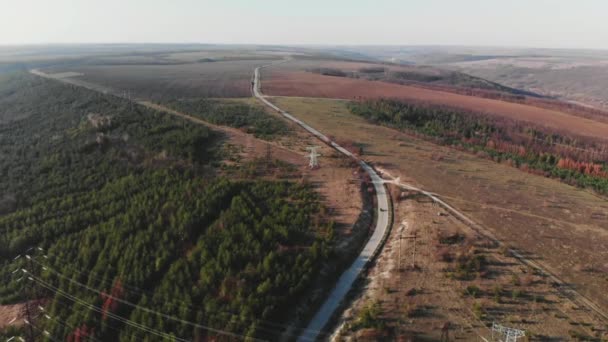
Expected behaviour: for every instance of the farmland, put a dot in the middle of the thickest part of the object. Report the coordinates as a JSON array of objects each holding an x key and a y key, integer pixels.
[
  {"x": 305, "y": 84},
  {"x": 536, "y": 215},
  {"x": 420, "y": 75},
  {"x": 158, "y": 82}
]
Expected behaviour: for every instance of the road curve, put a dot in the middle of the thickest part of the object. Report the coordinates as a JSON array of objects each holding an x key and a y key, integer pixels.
[{"x": 347, "y": 279}]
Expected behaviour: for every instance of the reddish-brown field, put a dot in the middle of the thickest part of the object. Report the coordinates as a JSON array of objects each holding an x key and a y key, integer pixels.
[{"x": 305, "y": 84}]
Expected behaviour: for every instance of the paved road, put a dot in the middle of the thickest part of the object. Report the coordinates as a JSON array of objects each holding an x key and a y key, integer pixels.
[{"x": 349, "y": 276}]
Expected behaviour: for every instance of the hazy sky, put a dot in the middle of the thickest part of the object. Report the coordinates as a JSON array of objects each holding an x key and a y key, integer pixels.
[{"x": 529, "y": 23}]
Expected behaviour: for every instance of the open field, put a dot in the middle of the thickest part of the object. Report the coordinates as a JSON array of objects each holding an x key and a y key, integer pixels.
[
  {"x": 210, "y": 79},
  {"x": 446, "y": 288},
  {"x": 419, "y": 75},
  {"x": 538, "y": 216},
  {"x": 314, "y": 85}
]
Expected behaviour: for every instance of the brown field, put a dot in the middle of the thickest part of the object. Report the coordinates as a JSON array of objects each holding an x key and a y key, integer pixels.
[
  {"x": 416, "y": 304},
  {"x": 562, "y": 227},
  {"x": 299, "y": 64},
  {"x": 154, "y": 82},
  {"x": 307, "y": 84}
]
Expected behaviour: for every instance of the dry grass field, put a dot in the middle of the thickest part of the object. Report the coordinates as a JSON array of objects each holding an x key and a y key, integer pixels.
[
  {"x": 564, "y": 228},
  {"x": 307, "y": 84},
  {"x": 416, "y": 303}
]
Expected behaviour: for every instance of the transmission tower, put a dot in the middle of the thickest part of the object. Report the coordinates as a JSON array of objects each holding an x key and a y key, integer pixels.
[
  {"x": 269, "y": 158},
  {"x": 314, "y": 160},
  {"x": 506, "y": 334}
]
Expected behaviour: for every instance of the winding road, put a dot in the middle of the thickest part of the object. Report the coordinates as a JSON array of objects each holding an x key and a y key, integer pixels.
[{"x": 350, "y": 275}]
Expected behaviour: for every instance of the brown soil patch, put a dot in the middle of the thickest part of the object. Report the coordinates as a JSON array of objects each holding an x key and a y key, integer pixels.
[
  {"x": 307, "y": 84},
  {"x": 10, "y": 312}
]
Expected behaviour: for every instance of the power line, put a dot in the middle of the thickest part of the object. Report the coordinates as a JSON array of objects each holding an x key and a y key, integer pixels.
[
  {"x": 44, "y": 332},
  {"x": 272, "y": 326},
  {"x": 69, "y": 307},
  {"x": 101, "y": 311},
  {"x": 136, "y": 306},
  {"x": 65, "y": 324}
]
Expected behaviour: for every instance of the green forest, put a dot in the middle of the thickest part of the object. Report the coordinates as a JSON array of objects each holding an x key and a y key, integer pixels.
[
  {"x": 575, "y": 160},
  {"x": 132, "y": 233},
  {"x": 251, "y": 119}
]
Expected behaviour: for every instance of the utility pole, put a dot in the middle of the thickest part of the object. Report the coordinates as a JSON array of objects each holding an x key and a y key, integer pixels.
[
  {"x": 314, "y": 161},
  {"x": 399, "y": 260},
  {"x": 509, "y": 334},
  {"x": 130, "y": 101},
  {"x": 414, "y": 256},
  {"x": 268, "y": 157},
  {"x": 29, "y": 292},
  {"x": 410, "y": 237},
  {"x": 28, "y": 318},
  {"x": 26, "y": 292}
]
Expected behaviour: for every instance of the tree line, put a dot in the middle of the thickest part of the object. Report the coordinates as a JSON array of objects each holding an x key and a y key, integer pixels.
[
  {"x": 576, "y": 160},
  {"x": 251, "y": 119}
]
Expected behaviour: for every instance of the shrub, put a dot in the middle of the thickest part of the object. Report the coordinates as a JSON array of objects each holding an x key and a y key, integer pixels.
[
  {"x": 472, "y": 291},
  {"x": 516, "y": 293},
  {"x": 478, "y": 310},
  {"x": 451, "y": 239},
  {"x": 411, "y": 292},
  {"x": 444, "y": 254},
  {"x": 497, "y": 291},
  {"x": 469, "y": 264},
  {"x": 369, "y": 317}
]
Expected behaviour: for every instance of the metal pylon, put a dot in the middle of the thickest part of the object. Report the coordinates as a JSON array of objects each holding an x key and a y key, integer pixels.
[{"x": 313, "y": 156}]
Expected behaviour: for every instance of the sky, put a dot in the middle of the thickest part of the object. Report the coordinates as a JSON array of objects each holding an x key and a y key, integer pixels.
[{"x": 516, "y": 23}]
